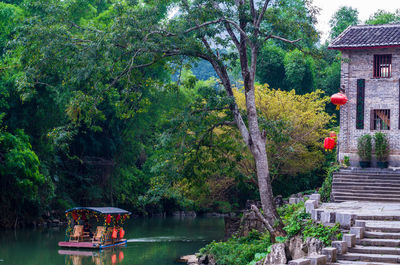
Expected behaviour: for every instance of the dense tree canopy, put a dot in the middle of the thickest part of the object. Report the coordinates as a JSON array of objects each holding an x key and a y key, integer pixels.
[{"x": 116, "y": 103}]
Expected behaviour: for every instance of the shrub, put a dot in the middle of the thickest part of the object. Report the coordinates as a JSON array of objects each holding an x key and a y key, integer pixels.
[
  {"x": 326, "y": 187},
  {"x": 239, "y": 250},
  {"x": 364, "y": 147},
  {"x": 381, "y": 146}
]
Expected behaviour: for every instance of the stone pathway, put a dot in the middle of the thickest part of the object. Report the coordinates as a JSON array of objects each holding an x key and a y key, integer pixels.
[{"x": 375, "y": 226}]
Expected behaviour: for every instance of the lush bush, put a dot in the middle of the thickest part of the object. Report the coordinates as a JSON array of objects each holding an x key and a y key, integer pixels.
[
  {"x": 381, "y": 146},
  {"x": 239, "y": 250},
  {"x": 326, "y": 187},
  {"x": 250, "y": 249},
  {"x": 364, "y": 147}
]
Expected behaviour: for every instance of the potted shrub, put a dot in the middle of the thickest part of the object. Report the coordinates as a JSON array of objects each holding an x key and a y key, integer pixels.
[
  {"x": 381, "y": 149},
  {"x": 364, "y": 147}
]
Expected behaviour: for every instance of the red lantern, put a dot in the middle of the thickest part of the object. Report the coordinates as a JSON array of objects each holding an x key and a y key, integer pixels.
[
  {"x": 118, "y": 217},
  {"x": 121, "y": 233},
  {"x": 339, "y": 99},
  {"x": 114, "y": 233},
  {"x": 75, "y": 216},
  {"x": 329, "y": 144},
  {"x": 108, "y": 219}
]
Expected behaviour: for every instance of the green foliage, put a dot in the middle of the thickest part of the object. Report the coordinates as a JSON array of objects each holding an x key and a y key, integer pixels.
[
  {"x": 326, "y": 187},
  {"x": 24, "y": 190},
  {"x": 239, "y": 250},
  {"x": 364, "y": 147},
  {"x": 346, "y": 16},
  {"x": 254, "y": 247},
  {"x": 382, "y": 148},
  {"x": 346, "y": 161},
  {"x": 298, "y": 222},
  {"x": 384, "y": 17},
  {"x": 326, "y": 234},
  {"x": 299, "y": 71}
]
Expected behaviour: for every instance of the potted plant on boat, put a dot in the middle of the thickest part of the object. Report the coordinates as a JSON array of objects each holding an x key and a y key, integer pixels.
[
  {"x": 364, "y": 149},
  {"x": 381, "y": 149}
]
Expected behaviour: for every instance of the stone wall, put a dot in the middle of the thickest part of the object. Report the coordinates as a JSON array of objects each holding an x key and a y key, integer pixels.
[{"x": 380, "y": 93}]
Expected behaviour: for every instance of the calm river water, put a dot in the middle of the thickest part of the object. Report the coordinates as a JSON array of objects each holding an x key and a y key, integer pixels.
[{"x": 153, "y": 241}]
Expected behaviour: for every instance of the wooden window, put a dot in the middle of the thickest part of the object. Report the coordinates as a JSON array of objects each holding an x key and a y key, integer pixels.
[
  {"x": 360, "y": 104},
  {"x": 382, "y": 65},
  {"x": 380, "y": 119}
]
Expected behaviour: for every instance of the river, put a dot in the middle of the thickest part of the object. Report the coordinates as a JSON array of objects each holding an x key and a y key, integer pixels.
[{"x": 151, "y": 241}]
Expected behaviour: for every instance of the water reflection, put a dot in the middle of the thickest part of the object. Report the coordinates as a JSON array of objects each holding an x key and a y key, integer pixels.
[{"x": 105, "y": 257}]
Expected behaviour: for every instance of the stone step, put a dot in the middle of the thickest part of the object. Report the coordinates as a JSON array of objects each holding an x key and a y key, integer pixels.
[
  {"x": 371, "y": 194},
  {"x": 378, "y": 242},
  {"x": 370, "y": 257},
  {"x": 351, "y": 182},
  {"x": 348, "y": 262},
  {"x": 382, "y": 217},
  {"x": 383, "y": 226},
  {"x": 367, "y": 172},
  {"x": 366, "y": 176},
  {"x": 375, "y": 250},
  {"x": 384, "y": 187},
  {"x": 355, "y": 180},
  {"x": 381, "y": 235},
  {"x": 340, "y": 198},
  {"x": 376, "y": 191}
]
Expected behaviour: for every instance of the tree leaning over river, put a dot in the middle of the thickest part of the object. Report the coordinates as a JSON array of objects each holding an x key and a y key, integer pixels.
[{"x": 222, "y": 32}]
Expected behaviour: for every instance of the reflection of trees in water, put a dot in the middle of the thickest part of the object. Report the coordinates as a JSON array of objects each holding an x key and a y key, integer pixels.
[{"x": 108, "y": 257}]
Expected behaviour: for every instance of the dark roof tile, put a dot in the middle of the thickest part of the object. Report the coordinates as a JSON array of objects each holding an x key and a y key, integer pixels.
[{"x": 363, "y": 36}]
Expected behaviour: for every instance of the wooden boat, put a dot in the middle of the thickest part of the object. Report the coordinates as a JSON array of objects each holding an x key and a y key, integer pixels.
[{"x": 108, "y": 234}]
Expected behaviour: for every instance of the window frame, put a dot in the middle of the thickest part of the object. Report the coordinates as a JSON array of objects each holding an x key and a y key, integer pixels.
[
  {"x": 382, "y": 61},
  {"x": 375, "y": 118}
]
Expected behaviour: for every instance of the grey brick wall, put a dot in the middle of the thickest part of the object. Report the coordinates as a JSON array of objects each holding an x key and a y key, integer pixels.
[{"x": 380, "y": 93}]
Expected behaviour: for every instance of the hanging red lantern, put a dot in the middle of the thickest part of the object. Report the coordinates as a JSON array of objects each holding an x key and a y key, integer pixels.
[
  {"x": 114, "y": 233},
  {"x": 108, "y": 219},
  {"x": 118, "y": 217},
  {"x": 339, "y": 99},
  {"x": 121, "y": 233},
  {"x": 329, "y": 144},
  {"x": 75, "y": 216}
]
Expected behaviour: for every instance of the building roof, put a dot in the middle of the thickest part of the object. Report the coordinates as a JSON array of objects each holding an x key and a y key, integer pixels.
[
  {"x": 102, "y": 210},
  {"x": 368, "y": 36}
]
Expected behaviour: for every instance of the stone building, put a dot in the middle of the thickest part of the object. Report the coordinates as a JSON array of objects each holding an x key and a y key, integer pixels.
[{"x": 370, "y": 76}]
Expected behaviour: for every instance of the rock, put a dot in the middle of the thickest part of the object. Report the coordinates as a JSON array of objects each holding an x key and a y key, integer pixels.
[
  {"x": 330, "y": 254},
  {"x": 278, "y": 201},
  {"x": 189, "y": 259},
  {"x": 296, "y": 248},
  {"x": 314, "y": 246},
  {"x": 203, "y": 259},
  {"x": 277, "y": 255},
  {"x": 232, "y": 226}
]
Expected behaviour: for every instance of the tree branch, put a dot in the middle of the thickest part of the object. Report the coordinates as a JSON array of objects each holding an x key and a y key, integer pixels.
[
  {"x": 267, "y": 37},
  {"x": 261, "y": 14},
  {"x": 270, "y": 229}
]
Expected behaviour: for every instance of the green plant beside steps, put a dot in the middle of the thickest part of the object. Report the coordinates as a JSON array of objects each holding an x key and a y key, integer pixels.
[
  {"x": 381, "y": 149},
  {"x": 364, "y": 150}
]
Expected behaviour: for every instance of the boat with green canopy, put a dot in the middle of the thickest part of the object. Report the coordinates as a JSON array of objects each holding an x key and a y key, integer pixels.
[{"x": 109, "y": 230}]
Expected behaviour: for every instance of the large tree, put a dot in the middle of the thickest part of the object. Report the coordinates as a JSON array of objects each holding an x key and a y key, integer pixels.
[
  {"x": 343, "y": 17},
  {"x": 222, "y": 32}
]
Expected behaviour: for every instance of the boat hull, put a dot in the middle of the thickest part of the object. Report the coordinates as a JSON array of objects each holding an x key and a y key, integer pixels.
[{"x": 90, "y": 245}]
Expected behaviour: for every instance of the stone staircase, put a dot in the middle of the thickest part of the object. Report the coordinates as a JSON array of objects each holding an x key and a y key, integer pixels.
[
  {"x": 366, "y": 185},
  {"x": 378, "y": 242}
]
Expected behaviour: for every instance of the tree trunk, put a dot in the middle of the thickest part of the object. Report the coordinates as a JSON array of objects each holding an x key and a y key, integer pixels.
[{"x": 257, "y": 148}]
